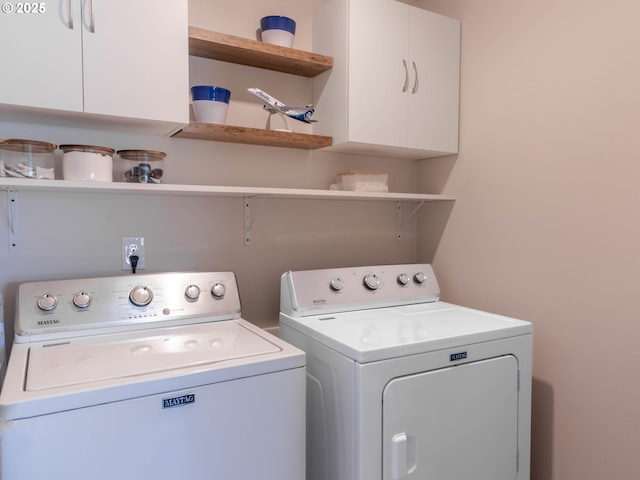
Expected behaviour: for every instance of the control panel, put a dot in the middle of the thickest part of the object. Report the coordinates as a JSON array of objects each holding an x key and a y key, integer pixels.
[
  {"x": 63, "y": 308},
  {"x": 334, "y": 290}
]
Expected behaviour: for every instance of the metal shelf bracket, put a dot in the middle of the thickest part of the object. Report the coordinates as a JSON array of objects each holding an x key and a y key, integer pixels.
[
  {"x": 415, "y": 210},
  {"x": 248, "y": 221},
  {"x": 399, "y": 217},
  {"x": 12, "y": 209}
]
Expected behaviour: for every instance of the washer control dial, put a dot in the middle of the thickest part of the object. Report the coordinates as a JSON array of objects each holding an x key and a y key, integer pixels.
[
  {"x": 336, "y": 284},
  {"x": 420, "y": 277},
  {"x": 192, "y": 292},
  {"x": 82, "y": 299},
  {"x": 403, "y": 279},
  {"x": 47, "y": 302},
  {"x": 371, "y": 281},
  {"x": 140, "y": 296},
  {"x": 218, "y": 290}
]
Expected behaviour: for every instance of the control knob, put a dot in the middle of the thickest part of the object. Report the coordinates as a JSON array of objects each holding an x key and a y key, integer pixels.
[
  {"x": 420, "y": 277},
  {"x": 371, "y": 281},
  {"x": 82, "y": 299},
  {"x": 47, "y": 302},
  {"x": 140, "y": 296},
  {"x": 218, "y": 290},
  {"x": 336, "y": 284},
  {"x": 403, "y": 279},
  {"x": 192, "y": 292}
]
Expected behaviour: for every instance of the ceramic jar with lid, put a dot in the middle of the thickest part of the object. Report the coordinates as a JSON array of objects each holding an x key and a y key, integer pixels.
[
  {"x": 21, "y": 158},
  {"x": 87, "y": 162},
  {"x": 141, "y": 166}
]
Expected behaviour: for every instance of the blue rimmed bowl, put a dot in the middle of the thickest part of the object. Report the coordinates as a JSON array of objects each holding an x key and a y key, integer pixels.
[
  {"x": 210, "y": 104},
  {"x": 278, "y": 30}
]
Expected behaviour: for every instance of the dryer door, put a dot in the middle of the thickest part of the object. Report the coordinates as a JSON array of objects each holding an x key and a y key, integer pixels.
[{"x": 455, "y": 423}]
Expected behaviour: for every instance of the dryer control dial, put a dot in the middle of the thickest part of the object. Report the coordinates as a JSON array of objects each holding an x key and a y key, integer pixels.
[
  {"x": 140, "y": 296},
  {"x": 371, "y": 281},
  {"x": 420, "y": 277},
  {"x": 192, "y": 292},
  {"x": 47, "y": 302},
  {"x": 403, "y": 279},
  {"x": 218, "y": 290},
  {"x": 82, "y": 299},
  {"x": 336, "y": 284}
]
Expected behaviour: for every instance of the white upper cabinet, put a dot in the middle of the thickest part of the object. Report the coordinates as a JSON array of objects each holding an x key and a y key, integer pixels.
[
  {"x": 90, "y": 62},
  {"x": 394, "y": 87},
  {"x": 42, "y": 58}
]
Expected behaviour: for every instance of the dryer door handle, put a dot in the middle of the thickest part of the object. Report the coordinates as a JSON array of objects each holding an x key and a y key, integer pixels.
[{"x": 399, "y": 459}]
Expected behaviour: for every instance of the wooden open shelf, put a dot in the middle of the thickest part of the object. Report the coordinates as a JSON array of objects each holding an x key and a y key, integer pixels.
[
  {"x": 243, "y": 51},
  {"x": 252, "y": 136}
]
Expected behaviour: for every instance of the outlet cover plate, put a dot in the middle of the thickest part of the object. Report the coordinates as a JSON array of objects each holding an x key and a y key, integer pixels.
[{"x": 131, "y": 245}]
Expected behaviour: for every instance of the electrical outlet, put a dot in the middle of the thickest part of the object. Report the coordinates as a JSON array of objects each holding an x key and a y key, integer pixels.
[{"x": 132, "y": 246}]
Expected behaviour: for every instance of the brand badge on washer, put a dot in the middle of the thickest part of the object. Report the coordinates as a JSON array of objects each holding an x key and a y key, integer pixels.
[
  {"x": 454, "y": 357},
  {"x": 180, "y": 401}
]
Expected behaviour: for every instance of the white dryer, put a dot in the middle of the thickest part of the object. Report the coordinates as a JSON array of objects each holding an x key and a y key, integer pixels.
[
  {"x": 403, "y": 386},
  {"x": 151, "y": 376}
]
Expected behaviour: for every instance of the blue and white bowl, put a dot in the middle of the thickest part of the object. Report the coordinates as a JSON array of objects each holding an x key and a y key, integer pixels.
[
  {"x": 278, "y": 30},
  {"x": 210, "y": 104}
]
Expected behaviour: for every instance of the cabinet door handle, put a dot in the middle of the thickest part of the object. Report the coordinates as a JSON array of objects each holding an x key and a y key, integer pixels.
[
  {"x": 416, "y": 84},
  {"x": 399, "y": 462},
  {"x": 406, "y": 76},
  {"x": 92, "y": 24},
  {"x": 69, "y": 15}
]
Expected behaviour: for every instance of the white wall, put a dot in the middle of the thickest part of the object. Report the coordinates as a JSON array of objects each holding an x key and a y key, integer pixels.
[
  {"x": 65, "y": 235},
  {"x": 546, "y": 224}
]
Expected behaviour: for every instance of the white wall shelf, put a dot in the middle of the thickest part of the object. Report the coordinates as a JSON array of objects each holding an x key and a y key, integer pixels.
[
  {"x": 69, "y": 186},
  {"x": 13, "y": 187}
]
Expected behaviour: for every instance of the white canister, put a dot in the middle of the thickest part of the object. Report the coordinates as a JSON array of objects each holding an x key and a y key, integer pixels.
[{"x": 87, "y": 162}]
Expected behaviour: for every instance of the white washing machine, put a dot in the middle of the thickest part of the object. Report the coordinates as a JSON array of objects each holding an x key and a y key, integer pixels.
[
  {"x": 151, "y": 376},
  {"x": 403, "y": 386}
]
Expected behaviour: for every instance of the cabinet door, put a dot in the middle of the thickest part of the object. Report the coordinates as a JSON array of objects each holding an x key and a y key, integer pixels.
[
  {"x": 136, "y": 59},
  {"x": 434, "y": 50},
  {"x": 378, "y": 44},
  {"x": 41, "y": 55},
  {"x": 456, "y": 423}
]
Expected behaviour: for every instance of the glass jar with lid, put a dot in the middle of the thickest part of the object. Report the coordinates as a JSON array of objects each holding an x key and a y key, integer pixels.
[
  {"x": 141, "y": 166},
  {"x": 22, "y": 158},
  {"x": 87, "y": 162}
]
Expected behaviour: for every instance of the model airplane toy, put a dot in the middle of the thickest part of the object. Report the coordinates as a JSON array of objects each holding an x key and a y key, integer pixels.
[{"x": 273, "y": 106}]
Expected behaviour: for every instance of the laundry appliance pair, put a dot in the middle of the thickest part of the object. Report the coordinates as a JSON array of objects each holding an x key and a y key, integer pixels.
[{"x": 158, "y": 376}]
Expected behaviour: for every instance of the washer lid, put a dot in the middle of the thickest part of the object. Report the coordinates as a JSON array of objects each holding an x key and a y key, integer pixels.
[
  {"x": 55, "y": 376},
  {"x": 383, "y": 333},
  {"x": 94, "y": 359}
]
